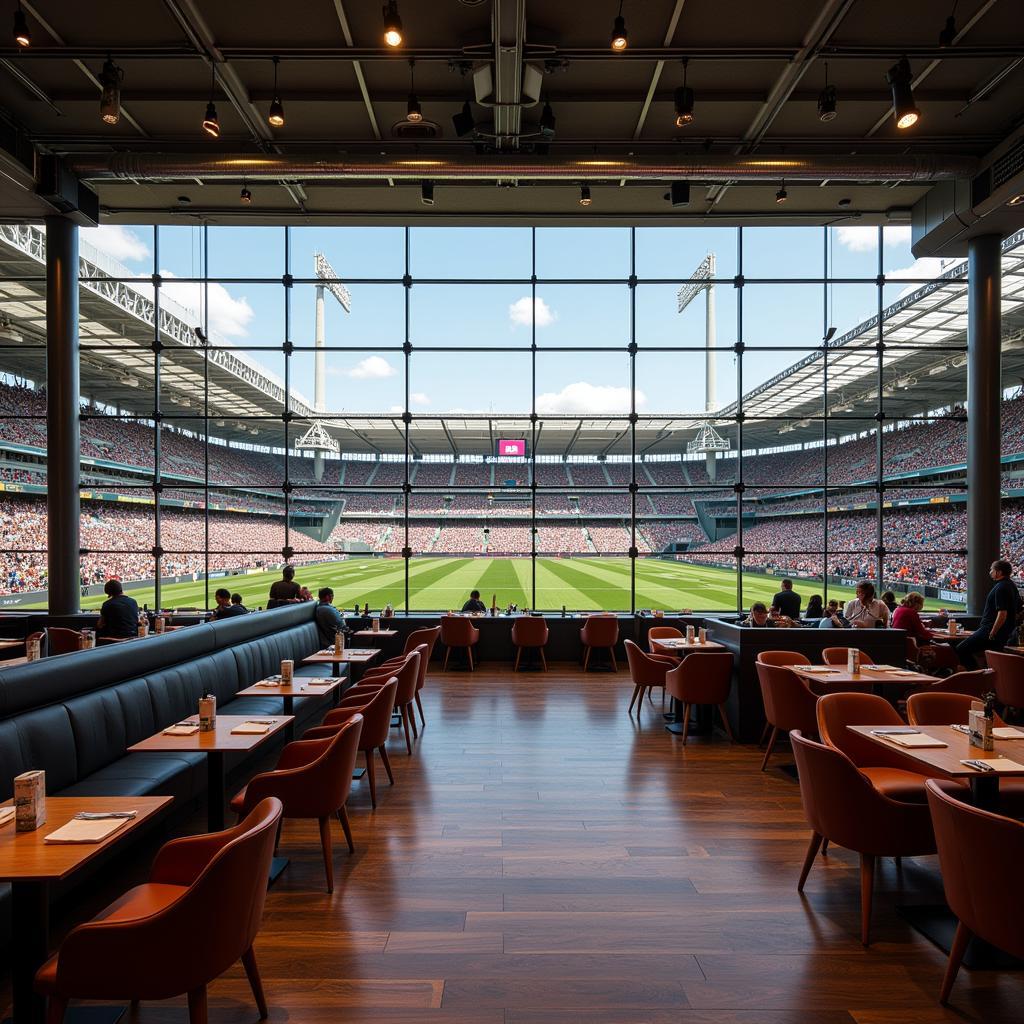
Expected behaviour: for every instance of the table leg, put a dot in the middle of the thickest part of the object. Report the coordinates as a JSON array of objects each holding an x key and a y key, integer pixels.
[
  {"x": 985, "y": 792},
  {"x": 30, "y": 928},
  {"x": 289, "y": 705},
  {"x": 215, "y": 795}
]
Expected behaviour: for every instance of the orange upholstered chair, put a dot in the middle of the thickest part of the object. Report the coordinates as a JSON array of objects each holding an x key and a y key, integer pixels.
[
  {"x": 196, "y": 916},
  {"x": 788, "y": 703},
  {"x": 407, "y": 673},
  {"x": 703, "y": 679},
  {"x": 843, "y": 807},
  {"x": 887, "y": 769},
  {"x": 602, "y": 632},
  {"x": 978, "y": 852},
  {"x": 838, "y": 655},
  {"x": 938, "y": 708},
  {"x": 530, "y": 632},
  {"x": 1009, "y": 669},
  {"x": 62, "y": 641},
  {"x": 976, "y": 682},
  {"x": 312, "y": 780},
  {"x": 783, "y": 658},
  {"x": 646, "y": 670},
  {"x": 656, "y": 633},
  {"x": 458, "y": 632},
  {"x": 428, "y": 637},
  {"x": 376, "y": 708}
]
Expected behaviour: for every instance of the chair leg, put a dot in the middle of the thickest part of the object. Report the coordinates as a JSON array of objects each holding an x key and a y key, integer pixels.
[
  {"x": 252, "y": 972},
  {"x": 519, "y": 654},
  {"x": 346, "y": 827},
  {"x": 764, "y": 733},
  {"x": 771, "y": 746},
  {"x": 419, "y": 704},
  {"x": 586, "y": 658},
  {"x": 867, "y": 887},
  {"x": 956, "y": 955},
  {"x": 197, "y": 1011},
  {"x": 447, "y": 653},
  {"x": 405, "y": 726},
  {"x": 412, "y": 720},
  {"x": 387, "y": 763},
  {"x": 686, "y": 721},
  {"x": 55, "y": 1007},
  {"x": 725, "y": 722},
  {"x": 824, "y": 847},
  {"x": 543, "y": 660},
  {"x": 371, "y": 779},
  {"x": 812, "y": 852},
  {"x": 277, "y": 838},
  {"x": 638, "y": 689},
  {"x": 325, "y": 843},
  {"x": 469, "y": 654},
  {"x": 615, "y": 664}
]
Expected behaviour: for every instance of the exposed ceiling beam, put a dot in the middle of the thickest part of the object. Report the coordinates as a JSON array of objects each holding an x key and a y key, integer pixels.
[
  {"x": 670, "y": 32},
  {"x": 357, "y": 68},
  {"x": 508, "y": 25}
]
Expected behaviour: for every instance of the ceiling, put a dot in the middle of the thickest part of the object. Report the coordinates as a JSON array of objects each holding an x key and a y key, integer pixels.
[{"x": 756, "y": 69}]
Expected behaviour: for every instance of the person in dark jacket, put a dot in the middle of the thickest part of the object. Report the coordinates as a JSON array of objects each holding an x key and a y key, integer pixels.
[
  {"x": 474, "y": 604},
  {"x": 225, "y": 609},
  {"x": 787, "y": 601},
  {"x": 119, "y": 615},
  {"x": 998, "y": 617},
  {"x": 285, "y": 590}
]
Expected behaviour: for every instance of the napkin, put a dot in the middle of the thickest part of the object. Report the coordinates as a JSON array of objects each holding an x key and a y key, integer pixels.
[
  {"x": 79, "y": 831},
  {"x": 819, "y": 669},
  {"x": 256, "y": 729},
  {"x": 181, "y": 730},
  {"x": 273, "y": 683},
  {"x": 1007, "y": 733},
  {"x": 331, "y": 682},
  {"x": 881, "y": 668},
  {"x": 1001, "y": 764},
  {"x": 916, "y": 740},
  {"x": 6, "y": 815}
]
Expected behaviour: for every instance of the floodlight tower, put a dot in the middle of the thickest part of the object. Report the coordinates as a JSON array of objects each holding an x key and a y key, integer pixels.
[
  {"x": 708, "y": 441},
  {"x": 316, "y": 439}
]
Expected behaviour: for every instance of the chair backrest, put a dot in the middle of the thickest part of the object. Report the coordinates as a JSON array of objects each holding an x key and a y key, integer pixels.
[
  {"x": 838, "y": 656},
  {"x": 976, "y": 683},
  {"x": 408, "y": 674},
  {"x": 377, "y": 716},
  {"x": 930, "y": 707},
  {"x": 662, "y": 633},
  {"x": 643, "y": 669},
  {"x": 783, "y": 658},
  {"x": 457, "y": 631},
  {"x": 426, "y": 636},
  {"x": 62, "y": 641},
  {"x": 978, "y": 852},
  {"x": 704, "y": 678},
  {"x": 529, "y": 631},
  {"x": 1009, "y": 669},
  {"x": 600, "y": 631},
  {"x": 788, "y": 703},
  {"x": 836, "y": 711}
]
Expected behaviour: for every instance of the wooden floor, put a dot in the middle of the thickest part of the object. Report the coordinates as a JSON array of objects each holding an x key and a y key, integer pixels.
[{"x": 543, "y": 857}]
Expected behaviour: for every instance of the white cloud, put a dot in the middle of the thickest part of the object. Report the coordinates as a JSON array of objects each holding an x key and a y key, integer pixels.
[
  {"x": 863, "y": 238},
  {"x": 229, "y": 316},
  {"x": 371, "y": 368},
  {"x": 926, "y": 268},
  {"x": 519, "y": 312},
  {"x": 419, "y": 398},
  {"x": 117, "y": 241},
  {"x": 585, "y": 398},
  {"x": 397, "y": 410}
]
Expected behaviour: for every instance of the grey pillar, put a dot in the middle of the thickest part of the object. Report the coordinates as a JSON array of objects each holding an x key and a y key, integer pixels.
[
  {"x": 984, "y": 392},
  {"x": 62, "y": 426}
]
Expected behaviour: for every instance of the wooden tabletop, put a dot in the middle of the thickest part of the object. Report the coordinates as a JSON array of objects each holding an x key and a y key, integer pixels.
[
  {"x": 682, "y": 644},
  {"x": 220, "y": 738},
  {"x": 299, "y": 688},
  {"x": 866, "y": 675},
  {"x": 376, "y": 632},
  {"x": 24, "y": 856},
  {"x": 10, "y": 662},
  {"x": 8, "y": 645},
  {"x": 350, "y": 656},
  {"x": 947, "y": 759},
  {"x": 1014, "y": 649},
  {"x": 944, "y": 634}
]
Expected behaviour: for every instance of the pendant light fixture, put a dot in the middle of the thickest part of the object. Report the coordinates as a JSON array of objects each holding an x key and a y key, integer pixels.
[
  {"x": 904, "y": 110},
  {"x": 684, "y": 101},
  {"x": 827, "y": 101},
  {"x": 392, "y": 24},
  {"x": 211, "y": 124},
  {"x": 110, "y": 95},
  {"x": 620, "y": 38},
  {"x": 413, "y": 112},
  {"x": 276, "y": 113},
  {"x": 22, "y": 36}
]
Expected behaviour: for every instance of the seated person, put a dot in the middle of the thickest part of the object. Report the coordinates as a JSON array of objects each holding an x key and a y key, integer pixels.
[
  {"x": 815, "y": 608},
  {"x": 305, "y": 594},
  {"x": 328, "y": 619},
  {"x": 285, "y": 590},
  {"x": 225, "y": 609},
  {"x": 907, "y": 616},
  {"x": 889, "y": 600},
  {"x": 759, "y": 617},
  {"x": 119, "y": 614},
  {"x": 833, "y": 618},
  {"x": 998, "y": 617},
  {"x": 236, "y": 600},
  {"x": 787, "y": 601},
  {"x": 865, "y": 611},
  {"x": 474, "y": 604}
]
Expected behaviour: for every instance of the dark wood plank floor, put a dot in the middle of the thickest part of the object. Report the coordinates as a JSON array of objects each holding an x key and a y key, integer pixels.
[{"x": 543, "y": 857}]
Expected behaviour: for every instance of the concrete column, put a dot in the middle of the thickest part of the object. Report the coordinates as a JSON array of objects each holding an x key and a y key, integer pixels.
[
  {"x": 984, "y": 392},
  {"x": 62, "y": 425}
]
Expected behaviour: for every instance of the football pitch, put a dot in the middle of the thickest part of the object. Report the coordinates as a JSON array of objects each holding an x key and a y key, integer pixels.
[{"x": 438, "y": 584}]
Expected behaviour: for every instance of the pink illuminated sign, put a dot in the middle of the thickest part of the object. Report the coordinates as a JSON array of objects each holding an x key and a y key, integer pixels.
[{"x": 512, "y": 447}]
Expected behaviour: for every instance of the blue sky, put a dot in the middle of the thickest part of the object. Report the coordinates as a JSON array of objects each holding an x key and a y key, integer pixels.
[{"x": 371, "y": 379}]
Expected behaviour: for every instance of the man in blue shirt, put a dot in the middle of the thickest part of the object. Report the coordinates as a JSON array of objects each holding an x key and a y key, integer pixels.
[
  {"x": 328, "y": 618},
  {"x": 998, "y": 617},
  {"x": 225, "y": 609}
]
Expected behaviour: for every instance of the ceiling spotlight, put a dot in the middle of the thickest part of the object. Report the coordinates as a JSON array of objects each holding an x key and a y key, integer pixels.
[
  {"x": 845, "y": 203},
  {"x": 110, "y": 97},
  {"x": 684, "y": 102},
  {"x": 276, "y": 114},
  {"x": 547, "y": 121},
  {"x": 827, "y": 99},
  {"x": 392, "y": 24},
  {"x": 782, "y": 195},
  {"x": 620, "y": 38},
  {"x": 903, "y": 107},
  {"x": 585, "y": 199},
  {"x": 210, "y": 123},
  {"x": 463, "y": 122},
  {"x": 245, "y": 196},
  {"x": 427, "y": 193},
  {"x": 22, "y": 36},
  {"x": 679, "y": 193},
  {"x": 413, "y": 111}
]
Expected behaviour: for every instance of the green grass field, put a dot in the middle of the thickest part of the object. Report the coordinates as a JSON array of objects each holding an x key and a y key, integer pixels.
[{"x": 442, "y": 583}]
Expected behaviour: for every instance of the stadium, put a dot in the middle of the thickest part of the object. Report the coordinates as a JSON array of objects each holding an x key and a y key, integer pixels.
[{"x": 701, "y": 510}]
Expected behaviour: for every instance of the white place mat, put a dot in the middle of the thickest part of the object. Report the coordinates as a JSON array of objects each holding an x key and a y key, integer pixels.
[
  {"x": 1007, "y": 733},
  {"x": 250, "y": 729},
  {"x": 79, "y": 831},
  {"x": 1001, "y": 764},
  {"x": 918, "y": 740},
  {"x": 181, "y": 730},
  {"x": 7, "y": 814},
  {"x": 820, "y": 670}
]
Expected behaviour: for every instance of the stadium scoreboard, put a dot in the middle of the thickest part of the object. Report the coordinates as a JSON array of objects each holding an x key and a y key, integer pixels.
[{"x": 514, "y": 447}]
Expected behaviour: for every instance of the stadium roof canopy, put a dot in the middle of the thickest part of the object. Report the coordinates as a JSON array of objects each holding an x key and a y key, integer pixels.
[{"x": 923, "y": 372}]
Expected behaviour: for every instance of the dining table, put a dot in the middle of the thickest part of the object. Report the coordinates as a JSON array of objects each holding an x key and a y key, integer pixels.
[
  {"x": 354, "y": 656},
  {"x": 823, "y": 678},
  {"x": 299, "y": 687}
]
